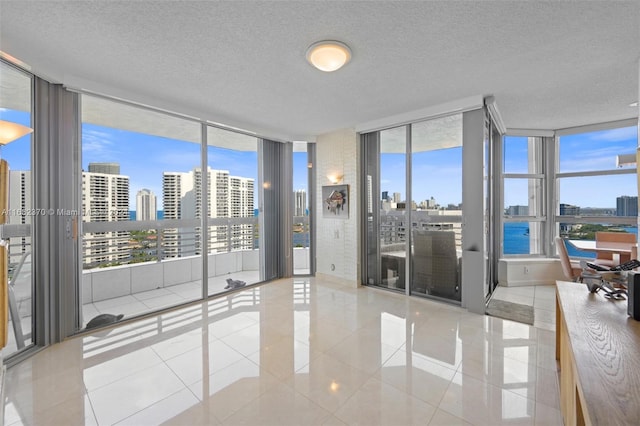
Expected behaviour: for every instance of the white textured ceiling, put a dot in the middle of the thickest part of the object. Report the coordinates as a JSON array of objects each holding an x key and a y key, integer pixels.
[{"x": 549, "y": 64}]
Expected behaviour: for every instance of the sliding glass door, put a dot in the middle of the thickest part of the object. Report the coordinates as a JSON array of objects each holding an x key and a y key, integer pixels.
[
  {"x": 17, "y": 211},
  {"x": 386, "y": 208},
  {"x": 232, "y": 205},
  {"x": 301, "y": 210},
  {"x": 436, "y": 212},
  {"x": 413, "y": 208},
  {"x": 141, "y": 210}
]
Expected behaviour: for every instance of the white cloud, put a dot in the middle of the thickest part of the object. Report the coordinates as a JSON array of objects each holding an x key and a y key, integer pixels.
[
  {"x": 95, "y": 142},
  {"x": 615, "y": 135}
]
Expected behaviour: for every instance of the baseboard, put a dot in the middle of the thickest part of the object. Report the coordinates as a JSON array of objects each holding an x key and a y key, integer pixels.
[
  {"x": 527, "y": 271},
  {"x": 521, "y": 283},
  {"x": 337, "y": 280}
]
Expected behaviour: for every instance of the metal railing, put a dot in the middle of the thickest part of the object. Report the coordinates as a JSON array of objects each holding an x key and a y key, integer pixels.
[
  {"x": 127, "y": 242},
  {"x": 394, "y": 225}
]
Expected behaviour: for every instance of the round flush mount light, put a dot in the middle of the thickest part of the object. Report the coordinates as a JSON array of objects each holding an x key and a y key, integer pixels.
[{"x": 328, "y": 55}]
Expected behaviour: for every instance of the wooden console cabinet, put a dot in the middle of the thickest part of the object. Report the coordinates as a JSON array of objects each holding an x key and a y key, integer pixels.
[{"x": 598, "y": 353}]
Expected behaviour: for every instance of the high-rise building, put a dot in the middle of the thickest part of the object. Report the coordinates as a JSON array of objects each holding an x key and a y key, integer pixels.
[
  {"x": 385, "y": 195},
  {"x": 229, "y": 196},
  {"x": 106, "y": 168},
  {"x": 146, "y": 205},
  {"x": 568, "y": 210},
  {"x": 518, "y": 210},
  {"x": 396, "y": 197},
  {"x": 627, "y": 206},
  {"x": 19, "y": 200},
  {"x": 300, "y": 202},
  {"x": 105, "y": 198},
  {"x": 431, "y": 203}
]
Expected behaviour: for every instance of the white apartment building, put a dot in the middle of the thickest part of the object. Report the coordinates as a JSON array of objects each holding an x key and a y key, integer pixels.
[
  {"x": 20, "y": 208},
  {"x": 105, "y": 198},
  {"x": 146, "y": 205},
  {"x": 229, "y": 196},
  {"x": 300, "y": 200}
]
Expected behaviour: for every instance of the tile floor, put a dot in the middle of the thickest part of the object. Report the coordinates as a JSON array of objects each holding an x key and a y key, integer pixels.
[
  {"x": 294, "y": 352},
  {"x": 129, "y": 305},
  {"x": 541, "y": 297}
]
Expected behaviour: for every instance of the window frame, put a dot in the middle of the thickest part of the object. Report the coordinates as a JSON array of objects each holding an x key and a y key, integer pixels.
[
  {"x": 540, "y": 152},
  {"x": 558, "y": 176},
  {"x": 551, "y": 176}
]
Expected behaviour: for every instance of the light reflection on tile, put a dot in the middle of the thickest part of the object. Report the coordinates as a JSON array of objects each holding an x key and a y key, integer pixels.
[
  {"x": 479, "y": 402},
  {"x": 163, "y": 410},
  {"x": 119, "y": 400},
  {"x": 328, "y": 382},
  {"x": 377, "y": 403},
  {"x": 442, "y": 418},
  {"x": 229, "y": 389},
  {"x": 280, "y": 406},
  {"x": 301, "y": 351},
  {"x": 416, "y": 375}
]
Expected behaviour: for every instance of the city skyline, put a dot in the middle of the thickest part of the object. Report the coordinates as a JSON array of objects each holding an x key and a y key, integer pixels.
[{"x": 627, "y": 207}]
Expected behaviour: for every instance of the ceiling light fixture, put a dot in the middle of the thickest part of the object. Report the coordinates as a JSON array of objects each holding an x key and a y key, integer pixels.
[
  {"x": 623, "y": 160},
  {"x": 10, "y": 131},
  {"x": 328, "y": 55},
  {"x": 634, "y": 104}
]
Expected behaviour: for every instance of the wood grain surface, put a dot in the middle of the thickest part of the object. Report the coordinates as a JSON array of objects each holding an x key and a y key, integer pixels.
[{"x": 605, "y": 347}]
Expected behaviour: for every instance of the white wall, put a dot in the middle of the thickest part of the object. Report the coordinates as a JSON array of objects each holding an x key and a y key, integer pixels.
[
  {"x": 107, "y": 283},
  {"x": 529, "y": 271},
  {"x": 337, "y": 240}
]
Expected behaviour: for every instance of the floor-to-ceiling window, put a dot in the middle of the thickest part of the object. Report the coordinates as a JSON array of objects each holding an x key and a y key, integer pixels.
[
  {"x": 393, "y": 217},
  {"x": 141, "y": 183},
  {"x": 234, "y": 243},
  {"x": 436, "y": 216},
  {"x": 301, "y": 210},
  {"x": 596, "y": 182},
  {"x": 17, "y": 209},
  {"x": 413, "y": 207}
]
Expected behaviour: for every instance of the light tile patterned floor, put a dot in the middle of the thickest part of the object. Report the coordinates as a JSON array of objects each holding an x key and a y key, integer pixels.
[
  {"x": 295, "y": 352},
  {"x": 541, "y": 297}
]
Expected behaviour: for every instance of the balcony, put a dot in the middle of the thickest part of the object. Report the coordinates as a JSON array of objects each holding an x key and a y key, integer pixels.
[{"x": 133, "y": 287}]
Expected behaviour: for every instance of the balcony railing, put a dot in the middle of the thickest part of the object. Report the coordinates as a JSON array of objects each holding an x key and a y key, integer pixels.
[
  {"x": 142, "y": 264},
  {"x": 114, "y": 243}
]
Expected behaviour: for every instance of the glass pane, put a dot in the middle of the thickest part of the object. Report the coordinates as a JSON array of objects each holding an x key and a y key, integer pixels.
[
  {"x": 301, "y": 234},
  {"x": 613, "y": 195},
  {"x": 436, "y": 175},
  {"x": 393, "y": 226},
  {"x": 140, "y": 209},
  {"x": 522, "y": 155},
  {"x": 523, "y": 197},
  {"x": 522, "y": 238},
  {"x": 234, "y": 256},
  {"x": 585, "y": 234},
  {"x": 15, "y": 106},
  {"x": 597, "y": 150}
]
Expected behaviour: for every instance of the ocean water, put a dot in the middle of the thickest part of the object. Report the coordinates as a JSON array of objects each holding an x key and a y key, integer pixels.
[{"x": 516, "y": 240}]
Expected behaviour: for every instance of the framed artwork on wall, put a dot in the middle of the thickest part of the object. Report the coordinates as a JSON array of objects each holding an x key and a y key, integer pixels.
[{"x": 335, "y": 201}]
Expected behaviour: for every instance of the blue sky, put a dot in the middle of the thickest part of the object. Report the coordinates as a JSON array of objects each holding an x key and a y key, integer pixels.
[
  {"x": 145, "y": 157},
  {"x": 436, "y": 174},
  {"x": 578, "y": 153}
]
